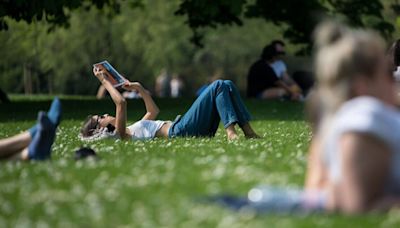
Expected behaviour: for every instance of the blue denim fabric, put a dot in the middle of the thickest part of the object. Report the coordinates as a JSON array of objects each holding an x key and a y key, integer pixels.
[
  {"x": 275, "y": 200},
  {"x": 220, "y": 101}
]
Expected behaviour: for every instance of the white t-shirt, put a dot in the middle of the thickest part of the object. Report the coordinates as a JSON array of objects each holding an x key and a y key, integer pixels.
[
  {"x": 364, "y": 115},
  {"x": 396, "y": 74},
  {"x": 176, "y": 86},
  {"x": 279, "y": 68},
  {"x": 145, "y": 129}
]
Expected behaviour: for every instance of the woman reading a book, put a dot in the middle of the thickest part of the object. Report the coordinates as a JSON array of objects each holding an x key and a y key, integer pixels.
[{"x": 220, "y": 101}]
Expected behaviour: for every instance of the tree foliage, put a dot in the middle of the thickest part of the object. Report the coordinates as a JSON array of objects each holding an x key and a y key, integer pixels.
[
  {"x": 139, "y": 42},
  {"x": 142, "y": 37},
  {"x": 55, "y": 12},
  {"x": 300, "y": 17}
]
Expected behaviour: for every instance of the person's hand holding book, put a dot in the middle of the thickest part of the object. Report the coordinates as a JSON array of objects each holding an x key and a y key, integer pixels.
[
  {"x": 104, "y": 70},
  {"x": 99, "y": 73},
  {"x": 134, "y": 86}
]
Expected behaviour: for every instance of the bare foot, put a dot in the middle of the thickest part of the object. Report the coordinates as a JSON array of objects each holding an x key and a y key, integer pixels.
[
  {"x": 231, "y": 132},
  {"x": 24, "y": 155},
  {"x": 253, "y": 136},
  {"x": 233, "y": 137},
  {"x": 249, "y": 132}
]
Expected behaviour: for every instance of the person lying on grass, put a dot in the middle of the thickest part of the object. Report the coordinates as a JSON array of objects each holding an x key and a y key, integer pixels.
[
  {"x": 34, "y": 144},
  {"x": 355, "y": 151},
  {"x": 221, "y": 101}
]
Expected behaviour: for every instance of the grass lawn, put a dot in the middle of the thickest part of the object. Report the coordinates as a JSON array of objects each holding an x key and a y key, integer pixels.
[{"x": 156, "y": 183}]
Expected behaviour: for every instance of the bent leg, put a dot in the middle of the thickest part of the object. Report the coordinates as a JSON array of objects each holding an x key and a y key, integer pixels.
[
  {"x": 238, "y": 104},
  {"x": 224, "y": 103},
  {"x": 40, "y": 147},
  {"x": 201, "y": 119},
  {"x": 273, "y": 93},
  {"x": 241, "y": 110},
  {"x": 14, "y": 144}
]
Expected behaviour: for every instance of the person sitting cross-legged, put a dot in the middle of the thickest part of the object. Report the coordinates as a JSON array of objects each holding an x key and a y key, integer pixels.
[{"x": 268, "y": 77}]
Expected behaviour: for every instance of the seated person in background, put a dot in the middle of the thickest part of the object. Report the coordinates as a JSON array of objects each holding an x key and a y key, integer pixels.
[
  {"x": 268, "y": 79},
  {"x": 177, "y": 85},
  {"x": 163, "y": 84},
  {"x": 34, "y": 144},
  {"x": 300, "y": 81}
]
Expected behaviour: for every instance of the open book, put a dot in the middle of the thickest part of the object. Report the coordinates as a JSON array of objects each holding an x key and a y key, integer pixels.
[{"x": 112, "y": 75}]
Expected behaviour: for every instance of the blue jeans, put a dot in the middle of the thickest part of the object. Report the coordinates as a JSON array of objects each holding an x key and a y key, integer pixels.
[{"x": 220, "y": 101}]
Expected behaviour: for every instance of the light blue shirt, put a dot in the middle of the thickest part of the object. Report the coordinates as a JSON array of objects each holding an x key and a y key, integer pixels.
[{"x": 279, "y": 68}]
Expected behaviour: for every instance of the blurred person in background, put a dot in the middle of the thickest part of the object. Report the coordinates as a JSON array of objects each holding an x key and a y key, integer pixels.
[
  {"x": 177, "y": 86},
  {"x": 268, "y": 77},
  {"x": 163, "y": 84}
]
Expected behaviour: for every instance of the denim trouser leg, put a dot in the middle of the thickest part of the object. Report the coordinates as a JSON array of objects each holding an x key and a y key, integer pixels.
[
  {"x": 242, "y": 113},
  {"x": 220, "y": 101},
  {"x": 202, "y": 118}
]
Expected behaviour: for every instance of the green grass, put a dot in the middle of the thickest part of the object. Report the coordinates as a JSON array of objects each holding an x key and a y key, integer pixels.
[{"x": 156, "y": 183}]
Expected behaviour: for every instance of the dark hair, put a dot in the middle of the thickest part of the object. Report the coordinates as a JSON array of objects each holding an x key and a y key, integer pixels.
[
  {"x": 88, "y": 126},
  {"x": 394, "y": 55},
  {"x": 275, "y": 42},
  {"x": 269, "y": 51}
]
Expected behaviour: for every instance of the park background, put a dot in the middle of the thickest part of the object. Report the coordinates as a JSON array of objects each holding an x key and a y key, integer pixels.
[
  {"x": 140, "y": 38},
  {"x": 158, "y": 183}
]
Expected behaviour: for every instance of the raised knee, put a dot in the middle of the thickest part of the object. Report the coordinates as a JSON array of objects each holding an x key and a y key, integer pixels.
[
  {"x": 228, "y": 82},
  {"x": 217, "y": 83}
]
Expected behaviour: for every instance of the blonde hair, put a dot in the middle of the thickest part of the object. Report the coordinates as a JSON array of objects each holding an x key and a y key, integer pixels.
[{"x": 343, "y": 55}]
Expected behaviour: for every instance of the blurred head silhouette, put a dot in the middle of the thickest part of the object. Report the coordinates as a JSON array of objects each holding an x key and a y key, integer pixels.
[
  {"x": 273, "y": 51},
  {"x": 350, "y": 63}
]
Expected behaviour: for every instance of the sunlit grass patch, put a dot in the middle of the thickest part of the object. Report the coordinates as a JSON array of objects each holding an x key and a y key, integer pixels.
[{"x": 156, "y": 183}]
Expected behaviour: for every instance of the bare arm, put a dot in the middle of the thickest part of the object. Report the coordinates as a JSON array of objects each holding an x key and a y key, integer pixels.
[
  {"x": 293, "y": 86},
  {"x": 283, "y": 85},
  {"x": 101, "y": 92},
  {"x": 119, "y": 101},
  {"x": 151, "y": 108},
  {"x": 316, "y": 177},
  {"x": 365, "y": 166},
  {"x": 286, "y": 78}
]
